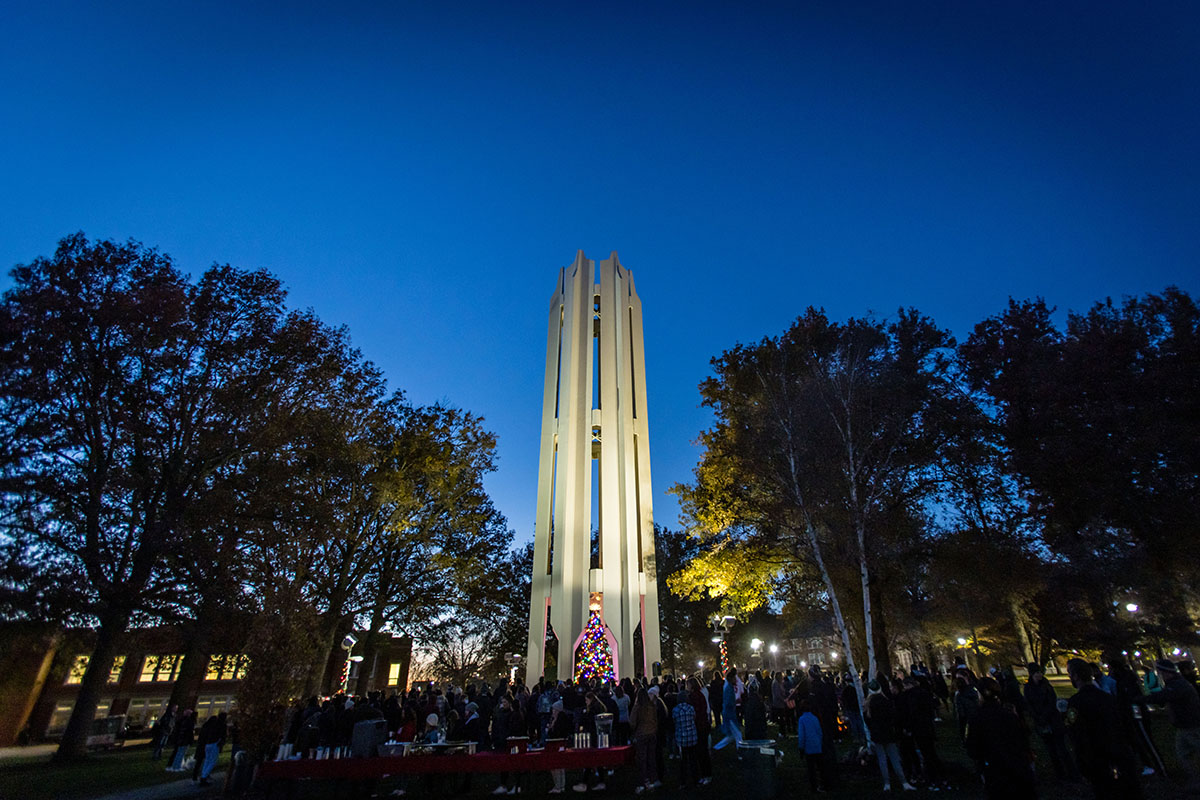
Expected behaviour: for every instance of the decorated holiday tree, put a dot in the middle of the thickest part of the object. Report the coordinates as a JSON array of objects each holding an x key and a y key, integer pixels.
[{"x": 595, "y": 659}]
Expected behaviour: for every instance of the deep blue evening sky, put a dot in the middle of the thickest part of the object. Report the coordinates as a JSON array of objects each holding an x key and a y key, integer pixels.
[{"x": 419, "y": 172}]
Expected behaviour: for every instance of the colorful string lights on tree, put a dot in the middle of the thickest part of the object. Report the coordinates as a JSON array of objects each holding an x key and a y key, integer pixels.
[
  {"x": 595, "y": 658},
  {"x": 724, "y": 657}
]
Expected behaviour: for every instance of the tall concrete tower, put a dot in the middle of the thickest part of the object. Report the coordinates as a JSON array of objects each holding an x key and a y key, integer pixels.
[{"x": 594, "y": 535}]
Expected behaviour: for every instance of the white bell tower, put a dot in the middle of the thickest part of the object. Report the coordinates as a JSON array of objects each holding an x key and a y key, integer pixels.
[{"x": 595, "y": 449}]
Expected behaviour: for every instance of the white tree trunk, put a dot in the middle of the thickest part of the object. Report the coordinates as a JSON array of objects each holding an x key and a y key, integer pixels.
[{"x": 843, "y": 631}]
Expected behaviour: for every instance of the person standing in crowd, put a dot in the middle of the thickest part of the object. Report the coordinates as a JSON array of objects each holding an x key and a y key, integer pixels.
[
  {"x": 506, "y": 722},
  {"x": 1132, "y": 705},
  {"x": 733, "y": 733},
  {"x": 1183, "y": 706},
  {"x": 881, "y": 722},
  {"x": 1104, "y": 759},
  {"x": 181, "y": 739},
  {"x": 779, "y": 709},
  {"x": 643, "y": 721},
  {"x": 623, "y": 702},
  {"x": 754, "y": 712},
  {"x": 966, "y": 702},
  {"x": 593, "y": 779},
  {"x": 687, "y": 739},
  {"x": 810, "y": 741},
  {"x": 208, "y": 748},
  {"x": 703, "y": 730},
  {"x": 1042, "y": 702},
  {"x": 716, "y": 691},
  {"x": 163, "y": 727},
  {"x": 923, "y": 707},
  {"x": 850, "y": 709},
  {"x": 561, "y": 726},
  {"x": 996, "y": 739}
]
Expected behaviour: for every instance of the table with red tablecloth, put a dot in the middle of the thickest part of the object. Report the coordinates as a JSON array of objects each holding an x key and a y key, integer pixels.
[{"x": 383, "y": 766}]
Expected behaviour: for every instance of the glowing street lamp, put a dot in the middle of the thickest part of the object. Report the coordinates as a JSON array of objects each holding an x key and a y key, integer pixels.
[{"x": 1132, "y": 608}]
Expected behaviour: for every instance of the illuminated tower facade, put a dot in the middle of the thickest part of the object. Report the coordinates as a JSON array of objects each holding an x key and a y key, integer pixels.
[{"x": 594, "y": 535}]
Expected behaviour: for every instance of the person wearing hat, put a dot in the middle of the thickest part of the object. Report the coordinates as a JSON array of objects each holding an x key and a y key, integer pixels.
[
  {"x": 1183, "y": 708},
  {"x": 1048, "y": 721},
  {"x": 431, "y": 734}
]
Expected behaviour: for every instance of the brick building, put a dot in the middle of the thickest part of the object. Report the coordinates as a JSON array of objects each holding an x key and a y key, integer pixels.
[{"x": 40, "y": 673}]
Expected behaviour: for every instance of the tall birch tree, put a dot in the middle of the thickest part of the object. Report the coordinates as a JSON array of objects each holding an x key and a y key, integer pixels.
[{"x": 819, "y": 434}]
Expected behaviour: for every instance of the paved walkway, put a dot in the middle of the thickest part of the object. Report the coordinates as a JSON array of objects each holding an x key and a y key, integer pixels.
[{"x": 168, "y": 791}]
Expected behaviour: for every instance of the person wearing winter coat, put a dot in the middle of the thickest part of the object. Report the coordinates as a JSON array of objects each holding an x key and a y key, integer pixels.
[
  {"x": 754, "y": 711},
  {"x": 996, "y": 739},
  {"x": 809, "y": 738},
  {"x": 643, "y": 722},
  {"x": 1183, "y": 706},
  {"x": 1042, "y": 702},
  {"x": 729, "y": 719},
  {"x": 779, "y": 696},
  {"x": 561, "y": 726},
  {"x": 686, "y": 739},
  {"x": 703, "y": 730},
  {"x": 181, "y": 739},
  {"x": 208, "y": 748},
  {"x": 881, "y": 722}
]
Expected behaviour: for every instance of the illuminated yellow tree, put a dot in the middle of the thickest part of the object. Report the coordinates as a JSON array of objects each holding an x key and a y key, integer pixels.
[{"x": 819, "y": 434}]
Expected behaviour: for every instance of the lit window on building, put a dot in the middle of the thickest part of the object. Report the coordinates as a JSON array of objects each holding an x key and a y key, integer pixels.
[
  {"x": 160, "y": 668},
  {"x": 143, "y": 713},
  {"x": 62, "y": 713},
  {"x": 214, "y": 668},
  {"x": 78, "y": 668},
  {"x": 210, "y": 705},
  {"x": 168, "y": 667},
  {"x": 114, "y": 674},
  {"x": 393, "y": 674},
  {"x": 227, "y": 667}
]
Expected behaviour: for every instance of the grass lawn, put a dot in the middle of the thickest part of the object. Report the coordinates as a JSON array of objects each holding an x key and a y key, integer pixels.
[
  {"x": 107, "y": 773},
  {"x": 101, "y": 773}
]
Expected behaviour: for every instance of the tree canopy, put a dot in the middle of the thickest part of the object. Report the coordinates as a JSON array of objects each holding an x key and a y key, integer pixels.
[{"x": 177, "y": 449}]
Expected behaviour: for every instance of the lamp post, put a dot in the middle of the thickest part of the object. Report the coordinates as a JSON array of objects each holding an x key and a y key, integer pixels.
[
  {"x": 348, "y": 645},
  {"x": 774, "y": 656},
  {"x": 721, "y": 627},
  {"x": 514, "y": 661},
  {"x": 756, "y": 646}
]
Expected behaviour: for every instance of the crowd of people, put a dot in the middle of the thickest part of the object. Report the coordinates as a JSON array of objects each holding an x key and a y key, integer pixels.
[{"x": 1100, "y": 734}]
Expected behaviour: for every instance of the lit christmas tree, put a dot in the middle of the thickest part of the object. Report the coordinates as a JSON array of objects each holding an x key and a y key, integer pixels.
[
  {"x": 724, "y": 657},
  {"x": 595, "y": 660}
]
